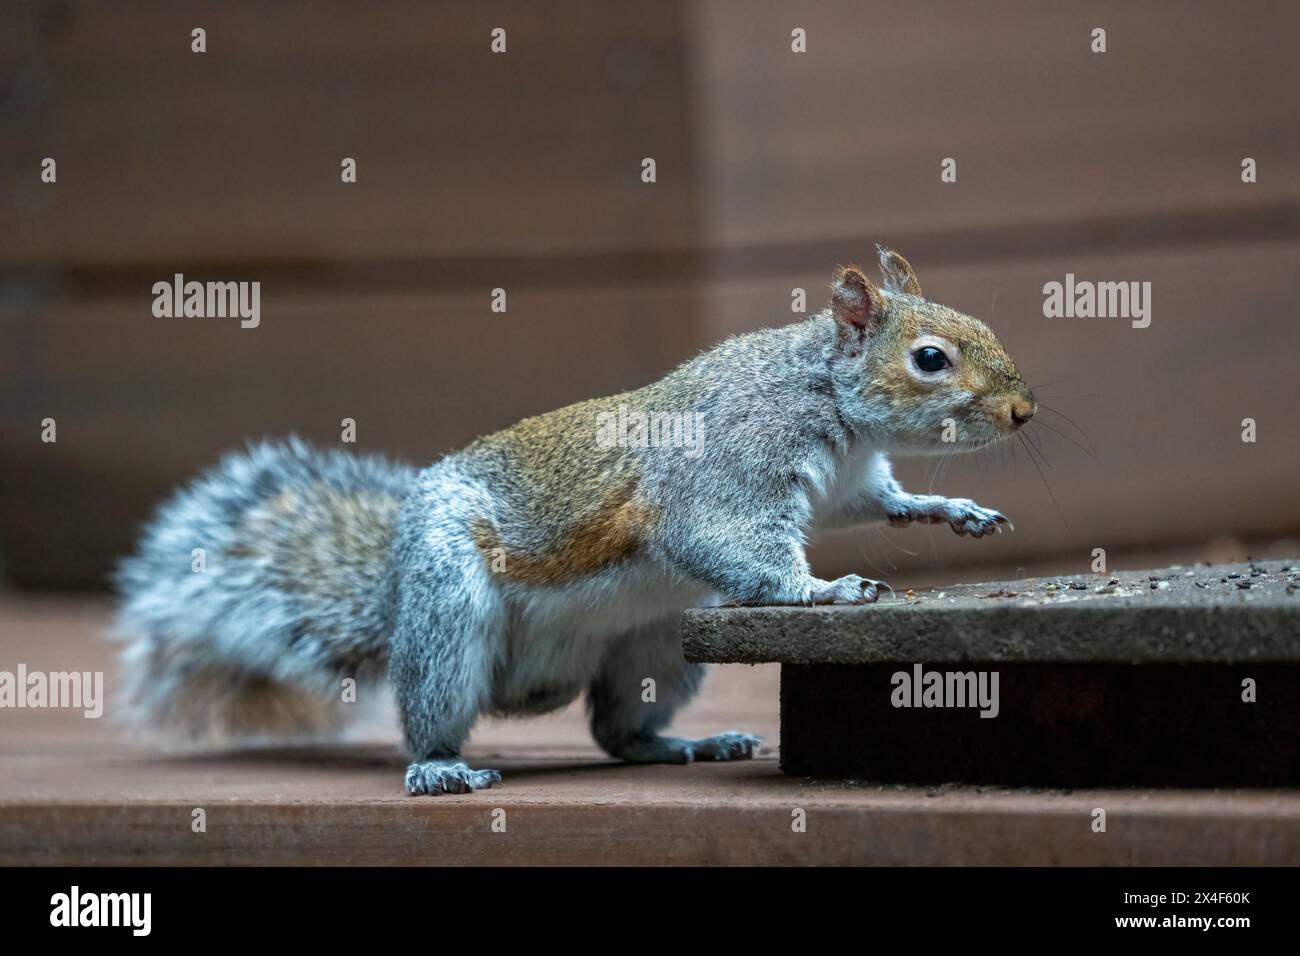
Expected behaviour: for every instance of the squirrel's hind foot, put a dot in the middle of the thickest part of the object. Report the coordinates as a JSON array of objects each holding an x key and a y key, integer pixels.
[
  {"x": 726, "y": 746},
  {"x": 434, "y": 777},
  {"x": 654, "y": 749}
]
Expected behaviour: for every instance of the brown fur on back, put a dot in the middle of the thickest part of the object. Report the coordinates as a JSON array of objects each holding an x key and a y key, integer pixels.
[{"x": 571, "y": 507}]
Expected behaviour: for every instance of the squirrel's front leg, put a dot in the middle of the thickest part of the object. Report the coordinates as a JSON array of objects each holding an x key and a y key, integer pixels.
[
  {"x": 961, "y": 514},
  {"x": 760, "y": 560},
  {"x": 883, "y": 499}
]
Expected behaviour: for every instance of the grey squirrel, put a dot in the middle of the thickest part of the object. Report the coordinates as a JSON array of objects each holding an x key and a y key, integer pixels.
[{"x": 539, "y": 562}]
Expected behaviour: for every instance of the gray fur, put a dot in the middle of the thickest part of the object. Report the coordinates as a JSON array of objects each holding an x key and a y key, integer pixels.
[
  {"x": 320, "y": 575},
  {"x": 247, "y": 647}
]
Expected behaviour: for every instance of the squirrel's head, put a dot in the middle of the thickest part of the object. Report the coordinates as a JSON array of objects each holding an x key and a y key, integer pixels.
[{"x": 922, "y": 375}]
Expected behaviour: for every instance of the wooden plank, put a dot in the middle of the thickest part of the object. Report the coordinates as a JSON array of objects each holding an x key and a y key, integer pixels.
[
  {"x": 846, "y": 140},
  {"x": 708, "y": 823},
  {"x": 234, "y": 155}
]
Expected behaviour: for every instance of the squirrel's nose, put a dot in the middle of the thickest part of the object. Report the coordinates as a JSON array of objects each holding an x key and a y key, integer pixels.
[{"x": 1021, "y": 412}]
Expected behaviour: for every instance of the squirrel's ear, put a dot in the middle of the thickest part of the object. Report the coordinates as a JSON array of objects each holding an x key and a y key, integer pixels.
[
  {"x": 898, "y": 272},
  {"x": 856, "y": 303}
]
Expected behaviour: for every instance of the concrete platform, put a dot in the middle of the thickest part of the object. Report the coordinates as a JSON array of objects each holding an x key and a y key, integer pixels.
[
  {"x": 74, "y": 790},
  {"x": 1226, "y": 613},
  {"x": 1172, "y": 677}
]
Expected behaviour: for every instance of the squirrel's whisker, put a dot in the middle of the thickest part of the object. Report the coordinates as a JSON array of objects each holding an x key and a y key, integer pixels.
[
  {"x": 1056, "y": 431},
  {"x": 1043, "y": 478},
  {"x": 1048, "y": 408},
  {"x": 1038, "y": 447}
]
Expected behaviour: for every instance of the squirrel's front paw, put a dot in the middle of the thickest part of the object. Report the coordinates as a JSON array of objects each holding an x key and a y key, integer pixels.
[
  {"x": 961, "y": 514},
  {"x": 966, "y": 517},
  {"x": 436, "y": 777},
  {"x": 850, "y": 589}
]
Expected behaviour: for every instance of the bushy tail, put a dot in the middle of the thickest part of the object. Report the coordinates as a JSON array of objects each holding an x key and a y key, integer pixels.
[{"x": 258, "y": 589}]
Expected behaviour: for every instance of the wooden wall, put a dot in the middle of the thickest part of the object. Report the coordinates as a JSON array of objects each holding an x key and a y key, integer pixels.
[
  {"x": 475, "y": 171},
  {"x": 522, "y": 171}
]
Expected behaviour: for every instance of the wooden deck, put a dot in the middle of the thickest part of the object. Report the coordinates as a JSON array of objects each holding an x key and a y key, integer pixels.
[{"x": 75, "y": 790}]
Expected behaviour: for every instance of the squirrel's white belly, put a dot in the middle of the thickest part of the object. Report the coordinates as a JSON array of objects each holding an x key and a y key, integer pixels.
[
  {"x": 557, "y": 635},
  {"x": 862, "y": 468}
]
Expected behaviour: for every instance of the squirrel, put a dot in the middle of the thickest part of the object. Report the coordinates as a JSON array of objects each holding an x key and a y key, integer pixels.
[{"x": 539, "y": 562}]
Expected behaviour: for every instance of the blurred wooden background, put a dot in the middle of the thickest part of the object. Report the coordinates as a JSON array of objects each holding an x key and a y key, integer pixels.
[{"x": 522, "y": 171}]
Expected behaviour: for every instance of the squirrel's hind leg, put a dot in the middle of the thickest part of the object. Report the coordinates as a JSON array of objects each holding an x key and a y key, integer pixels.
[
  {"x": 627, "y": 712},
  {"x": 450, "y": 617}
]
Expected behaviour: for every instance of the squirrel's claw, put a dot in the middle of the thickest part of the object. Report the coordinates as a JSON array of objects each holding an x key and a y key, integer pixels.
[
  {"x": 966, "y": 517},
  {"x": 435, "y": 777},
  {"x": 850, "y": 589}
]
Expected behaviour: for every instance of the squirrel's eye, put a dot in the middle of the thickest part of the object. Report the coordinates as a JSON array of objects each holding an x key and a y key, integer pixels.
[{"x": 930, "y": 359}]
